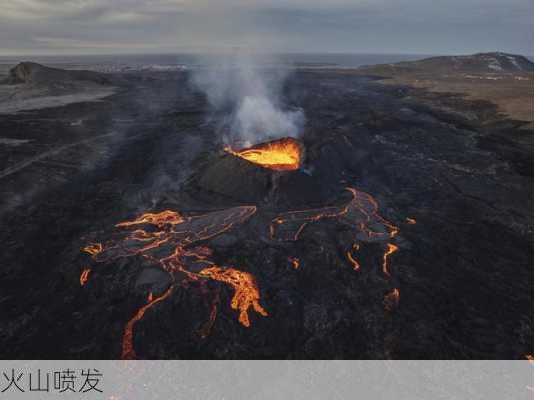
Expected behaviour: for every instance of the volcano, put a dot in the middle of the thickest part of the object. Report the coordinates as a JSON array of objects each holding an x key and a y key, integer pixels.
[
  {"x": 279, "y": 155},
  {"x": 404, "y": 232},
  {"x": 271, "y": 172}
]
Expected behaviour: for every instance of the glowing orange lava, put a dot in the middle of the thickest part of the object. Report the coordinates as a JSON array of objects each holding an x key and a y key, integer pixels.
[
  {"x": 128, "y": 352},
  {"x": 172, "y": 246},
  {"x": 360, "y": 213},
  {"x": 355, "y": 264},
  {"x": 279, "y": 155},
  {"x": 177, "y": 243},
  {"x": 391, "y": 300},
  {"x": 84, "y": 277},
  {"x": 93, "y": 249},
  {"x": 295, "y": 262},
  {"x": 390, "y": 250},
  {"x": 246, "y": 293},
  {"x": 159, "y": 219}
]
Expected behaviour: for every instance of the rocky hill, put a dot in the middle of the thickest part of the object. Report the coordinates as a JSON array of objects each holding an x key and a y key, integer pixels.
[
  {"x": 477, "y": 63},
  {"x": 506, "y": 80},
  {"x": 37, "y": 74},
  {"x": 30, "y": 86}
]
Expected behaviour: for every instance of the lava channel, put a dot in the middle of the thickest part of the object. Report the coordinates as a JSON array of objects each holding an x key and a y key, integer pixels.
[
  {"x": 168, "y": 239},
  {"x": 360, "y": 213}
]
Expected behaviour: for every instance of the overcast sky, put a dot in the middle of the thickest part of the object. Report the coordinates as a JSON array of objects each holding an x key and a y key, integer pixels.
[{"x": 354, "y": 26}]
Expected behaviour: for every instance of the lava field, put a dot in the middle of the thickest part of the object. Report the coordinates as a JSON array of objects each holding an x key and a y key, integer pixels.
[{"x": 398, "y": 224}]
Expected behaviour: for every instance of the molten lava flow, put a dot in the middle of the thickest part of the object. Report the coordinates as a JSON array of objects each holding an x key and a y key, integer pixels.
[
  {"x": 390, "y": 250},
  {"x": 279, "y": 155},
  {"x": 360, "y": 213},
  {"x": 246, "y": 293},
  {"x": 172, "y": 237},
  {"x": 93, "y": 249},
  {"x": 355, "y": 264},
  {"x": 168, "y": 239},
  {"x": 128, "y": 352},
  {"x": 295, "y": 262},
  {"x": 391, "y": 300},
  {"x": 159, "y": 219},
  {"x": 84, "y": 277}
]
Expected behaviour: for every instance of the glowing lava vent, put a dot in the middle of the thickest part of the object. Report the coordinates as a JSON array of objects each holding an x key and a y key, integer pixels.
[{"x": 279, "y": 155}]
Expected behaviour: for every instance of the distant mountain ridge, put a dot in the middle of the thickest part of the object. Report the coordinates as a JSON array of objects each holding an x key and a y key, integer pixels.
[
  {"x": 30, "y": 86},
  {"x": 37, "y": 74},
  {"x": 495, "y": 62}
]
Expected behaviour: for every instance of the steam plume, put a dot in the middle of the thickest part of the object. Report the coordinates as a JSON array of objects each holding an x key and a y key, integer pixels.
[{"x": 248, "y": 94}]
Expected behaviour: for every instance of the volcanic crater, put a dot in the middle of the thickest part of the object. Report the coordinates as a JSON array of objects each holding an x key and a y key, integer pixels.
[{"x": 273, "y": 173}]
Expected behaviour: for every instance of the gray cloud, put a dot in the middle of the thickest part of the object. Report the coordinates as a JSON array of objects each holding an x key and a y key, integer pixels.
[{"x": 391, "y": 26}]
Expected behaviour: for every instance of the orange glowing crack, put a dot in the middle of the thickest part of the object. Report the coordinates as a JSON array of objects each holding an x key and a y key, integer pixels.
[
  {"x": 172, "y": 235},
  {"x": 355, "y": 264},
  {"x": 278, "y": 155},
  {"x": 170, "y": 247},
  {"x": 295, "y": 262},
  {"x": 246, "y": 292},
  {"x": 128, "y": 351},
  {"x": 84, "y": 277},
  {"x": 361, "y": 213},
  {"x": 158, "y": 219},
  {"x": 93, "y": 249},
  {"x": 390, "y": 250}
]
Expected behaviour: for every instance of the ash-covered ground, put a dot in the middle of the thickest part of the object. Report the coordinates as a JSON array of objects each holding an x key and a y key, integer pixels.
[{"x": 451, "y": 175}]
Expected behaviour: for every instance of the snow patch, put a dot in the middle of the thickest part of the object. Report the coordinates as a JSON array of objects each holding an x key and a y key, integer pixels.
[
  {"x": 513, "y": 60},
  {"x": 494, "y": 64}
]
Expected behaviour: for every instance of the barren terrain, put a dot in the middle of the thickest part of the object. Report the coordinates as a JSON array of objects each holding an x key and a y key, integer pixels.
[
  {"x": 511, "y": 90},
  {"x": 408, "y": 231}
]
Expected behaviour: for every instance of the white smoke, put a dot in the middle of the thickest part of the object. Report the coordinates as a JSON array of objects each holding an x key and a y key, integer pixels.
[
  {"x": 257, "y": 118},
  {"x": 249, "y": 95}
]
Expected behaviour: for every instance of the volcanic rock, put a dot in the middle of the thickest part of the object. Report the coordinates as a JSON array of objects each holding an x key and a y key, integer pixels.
[
  {"x": 31, "y": 86},
  {"x": 243, "y": 181},
  {"x": 37, "y": 74},
  {"x": 236, "y": 178},
  {"x": 158, "y": 281},
  {"x": 463, "y": 268},
  {"x": 495, "y": 62}
]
